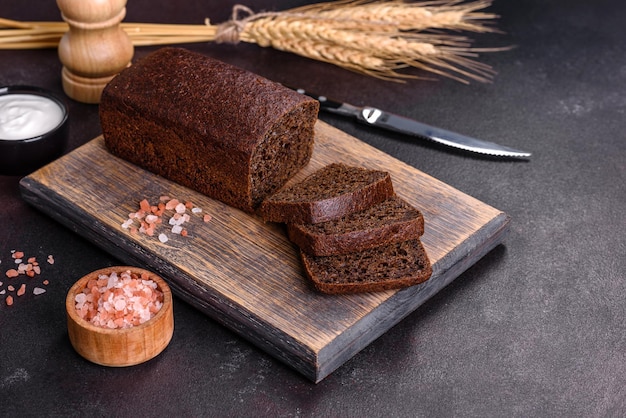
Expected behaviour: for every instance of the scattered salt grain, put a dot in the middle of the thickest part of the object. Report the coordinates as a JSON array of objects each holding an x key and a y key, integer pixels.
[
  {"x": 26, "y": 266},
  {"x": 148, "y": 218},
  {"x": 176, "y": 220},
  {"x": 171, "y": 204},
  {"x": 180, "y": 208}
]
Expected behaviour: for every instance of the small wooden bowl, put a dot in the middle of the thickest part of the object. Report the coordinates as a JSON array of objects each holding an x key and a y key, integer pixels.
[{"x": 125, "y": 346}]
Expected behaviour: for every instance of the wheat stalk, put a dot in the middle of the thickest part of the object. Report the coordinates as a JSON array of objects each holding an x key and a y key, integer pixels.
[
  {"x": 442, "y": 14},
  {"x": 377, "y": 38},
  {"x": 376, "y": 48}
]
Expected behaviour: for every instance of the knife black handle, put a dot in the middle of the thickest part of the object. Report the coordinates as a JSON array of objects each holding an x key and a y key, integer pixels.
[
  {"x": 325, "y": 102},
  {"x": 332, "y": 106}
]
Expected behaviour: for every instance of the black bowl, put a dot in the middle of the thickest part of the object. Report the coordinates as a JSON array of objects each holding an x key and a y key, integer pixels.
[{"x": 25, "y": 155}]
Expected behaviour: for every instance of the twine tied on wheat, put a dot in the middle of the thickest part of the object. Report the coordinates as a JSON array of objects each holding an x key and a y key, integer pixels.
[{"x": 376, "y": 38}]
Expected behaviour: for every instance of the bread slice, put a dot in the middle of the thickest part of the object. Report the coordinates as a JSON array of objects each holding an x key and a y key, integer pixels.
[
  {"x": 392, "y": 220},
  {"x": 387, "y": 267},
  {"x": 331, "y": 192}
]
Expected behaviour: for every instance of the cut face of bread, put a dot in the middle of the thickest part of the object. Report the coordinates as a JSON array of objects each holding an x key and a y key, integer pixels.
[
  {"x": 387, "y": 267},
  {"x": 392, "y": 220},
  {"x": 330, "y": 193}
]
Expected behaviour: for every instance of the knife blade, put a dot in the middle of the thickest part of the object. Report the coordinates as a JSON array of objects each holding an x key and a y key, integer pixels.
[{"x": 392, "y": 122}]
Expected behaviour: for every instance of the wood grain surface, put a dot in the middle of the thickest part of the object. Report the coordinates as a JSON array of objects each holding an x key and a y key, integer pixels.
[{"x": 245, "y": 273}]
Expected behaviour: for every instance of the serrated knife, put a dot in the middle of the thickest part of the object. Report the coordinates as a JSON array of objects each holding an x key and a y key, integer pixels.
[{"x": 385, "y": 120}]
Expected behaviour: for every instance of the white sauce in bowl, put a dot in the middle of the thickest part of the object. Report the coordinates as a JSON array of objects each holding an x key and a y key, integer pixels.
[{"x": 24, "y": 116}]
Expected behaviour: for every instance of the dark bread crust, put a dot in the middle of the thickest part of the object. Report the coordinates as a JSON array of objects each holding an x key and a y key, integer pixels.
[
  {"x": 223, "y": 131},
  {"x": 388, "y": 267},
  {"x": 392, "y": 220},
  {"x": 333, "y": 191}
]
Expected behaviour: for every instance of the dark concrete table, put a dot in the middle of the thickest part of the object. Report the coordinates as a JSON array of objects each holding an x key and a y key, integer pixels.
[{"x": 535, "y": 328}]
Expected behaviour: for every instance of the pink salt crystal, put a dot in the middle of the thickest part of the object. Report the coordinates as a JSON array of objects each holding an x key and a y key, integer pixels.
[
  {"x": 80, "y": 298},
  {"x": 12, "y": 273},
  {"x": 50, "y": 259},
  {"x": 120, "y": 304},
  {"x": 180, "y": 208},
  {"x": 163, "y": 238},
  {"x": 171, "y": 204}
]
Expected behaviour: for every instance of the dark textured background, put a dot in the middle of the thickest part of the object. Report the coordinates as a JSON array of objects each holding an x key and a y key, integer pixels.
[{"x": 535, "y": 328}]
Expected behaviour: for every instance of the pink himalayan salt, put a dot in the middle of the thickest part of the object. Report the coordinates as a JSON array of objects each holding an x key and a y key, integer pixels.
[{"x": 119, "y": 301}]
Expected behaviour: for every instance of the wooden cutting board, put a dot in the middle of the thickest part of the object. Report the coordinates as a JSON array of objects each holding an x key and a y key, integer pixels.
[{"x": 243, "y": 272}]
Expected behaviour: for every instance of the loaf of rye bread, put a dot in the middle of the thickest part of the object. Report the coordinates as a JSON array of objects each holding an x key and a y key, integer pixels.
[
  {"x": 218, "y": 129},
  {"x": 329, "y": 193},
  {"x": 392, "y": 220},
  {"x": 392, "y": 266}
]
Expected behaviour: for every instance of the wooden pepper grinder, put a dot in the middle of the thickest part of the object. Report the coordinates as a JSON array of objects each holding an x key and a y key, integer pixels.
[{"x": 95, "y": 48}]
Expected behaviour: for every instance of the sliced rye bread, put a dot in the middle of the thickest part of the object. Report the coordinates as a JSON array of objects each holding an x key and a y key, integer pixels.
[
  {"x": 387, "y": 267},
  {"x": 392, "y": 220},
  {"x": 329, "y": 193}
]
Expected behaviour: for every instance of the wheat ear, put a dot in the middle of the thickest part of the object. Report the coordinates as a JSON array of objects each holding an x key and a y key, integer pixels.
[{"x": 377, "y": 38}]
